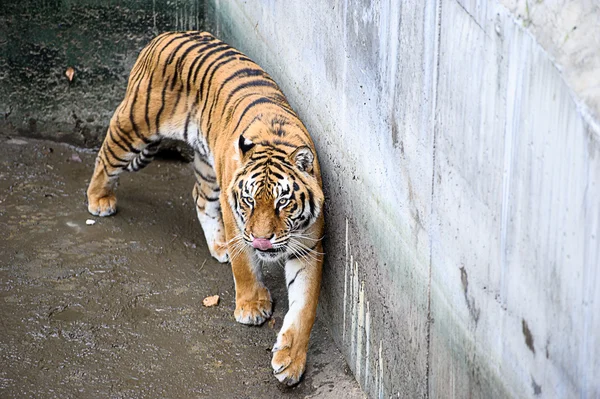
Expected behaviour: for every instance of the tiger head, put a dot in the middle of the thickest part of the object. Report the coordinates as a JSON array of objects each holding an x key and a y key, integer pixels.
[{"x": 276, "y": 197}]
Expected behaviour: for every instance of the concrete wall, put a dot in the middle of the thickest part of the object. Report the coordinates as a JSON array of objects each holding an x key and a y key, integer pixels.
[
  {"x": 462, "y": 167},
  {"x": 99, "y": 39}
]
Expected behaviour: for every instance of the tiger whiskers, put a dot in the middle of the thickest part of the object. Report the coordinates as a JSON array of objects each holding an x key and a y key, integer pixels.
[
  {"x": 303, "y": 252},
  {"x": 236, "y": 246},
  {"x": 304, "y": 246},
  {"x": 305, "y": 237}
]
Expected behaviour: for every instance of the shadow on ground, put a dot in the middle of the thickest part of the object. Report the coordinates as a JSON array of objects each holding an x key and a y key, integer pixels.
[{"x": 115, "y": 309}]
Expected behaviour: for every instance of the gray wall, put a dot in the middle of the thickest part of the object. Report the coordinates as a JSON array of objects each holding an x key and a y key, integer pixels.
[
  {"x": 462, "y": 170},
  {"x": 100, "y": 39}
]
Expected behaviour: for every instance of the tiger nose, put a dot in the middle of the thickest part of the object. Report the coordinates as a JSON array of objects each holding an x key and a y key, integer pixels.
[{"x": 262, "y": 243}]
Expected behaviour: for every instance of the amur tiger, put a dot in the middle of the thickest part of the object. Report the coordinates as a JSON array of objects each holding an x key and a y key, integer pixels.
[{"x": 258, "y": 190}]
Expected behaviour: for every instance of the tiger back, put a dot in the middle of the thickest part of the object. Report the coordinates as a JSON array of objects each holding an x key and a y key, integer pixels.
[{"x": 258, "y": 190}]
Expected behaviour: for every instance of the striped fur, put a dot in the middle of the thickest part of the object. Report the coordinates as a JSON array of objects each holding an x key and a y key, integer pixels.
[{"x": 257, "y": 176}]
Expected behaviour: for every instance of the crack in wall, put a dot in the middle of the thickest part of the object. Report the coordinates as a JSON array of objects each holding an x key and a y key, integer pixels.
[{"x": 433, "y": 113}]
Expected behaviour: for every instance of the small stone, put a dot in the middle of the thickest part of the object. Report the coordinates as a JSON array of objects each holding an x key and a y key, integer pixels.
[
  {"x": 211, "y": 301},
  {"x": 90, "y": 222},
  {"x": 16, "y": 141},
  {"x": 75, "y": 158}
]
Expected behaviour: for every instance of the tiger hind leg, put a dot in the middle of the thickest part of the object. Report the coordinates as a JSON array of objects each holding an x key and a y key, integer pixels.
[
  {"x": 206, "y": 197},
  {"x": 121, "y": 151}
]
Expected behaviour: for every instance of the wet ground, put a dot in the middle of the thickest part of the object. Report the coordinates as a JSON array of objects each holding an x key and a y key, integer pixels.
[{"x": 114, "y": 309}]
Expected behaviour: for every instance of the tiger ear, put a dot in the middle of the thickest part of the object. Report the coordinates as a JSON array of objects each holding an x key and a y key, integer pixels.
[
  {"x": 303, "y": 158},
  {"x": 245, "y": 145}
]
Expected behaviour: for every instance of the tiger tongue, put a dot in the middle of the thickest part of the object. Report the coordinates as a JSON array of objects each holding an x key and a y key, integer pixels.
[{"x": 262, "y": 243}]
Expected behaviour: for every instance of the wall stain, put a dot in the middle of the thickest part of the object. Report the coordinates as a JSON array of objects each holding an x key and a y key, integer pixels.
[
  {"x": 528, "y": 336},
  {"x": 473, "y": 310},
  {"x": 537, "y": 389}
]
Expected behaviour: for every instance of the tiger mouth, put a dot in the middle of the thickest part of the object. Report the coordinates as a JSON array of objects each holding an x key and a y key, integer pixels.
[{"x": 270, "y": 250}]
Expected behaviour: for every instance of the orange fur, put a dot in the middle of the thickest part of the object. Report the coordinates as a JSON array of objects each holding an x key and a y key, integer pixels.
[{"x": 257, "y": 177}]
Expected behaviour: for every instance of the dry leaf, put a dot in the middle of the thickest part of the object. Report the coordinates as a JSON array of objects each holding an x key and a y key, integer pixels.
[
  {"x": 211, "y": 301},
  {"x": 272, "y": 323},
  {"x": 69, "y": 73}
]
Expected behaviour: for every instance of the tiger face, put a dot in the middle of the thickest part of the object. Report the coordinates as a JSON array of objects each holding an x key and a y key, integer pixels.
[{"x": 275, "y": 199}]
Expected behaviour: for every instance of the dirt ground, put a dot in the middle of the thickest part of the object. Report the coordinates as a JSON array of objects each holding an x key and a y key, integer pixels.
[{"x": 114, "y": 309}]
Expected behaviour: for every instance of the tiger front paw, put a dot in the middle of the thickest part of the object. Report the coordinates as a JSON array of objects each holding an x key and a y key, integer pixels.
[
  {"x": 289, "y": 358},
  {"x": 102, "y": 206},
  {"x": 218, "y": 250},
  {"x": 254, "y": 311}
]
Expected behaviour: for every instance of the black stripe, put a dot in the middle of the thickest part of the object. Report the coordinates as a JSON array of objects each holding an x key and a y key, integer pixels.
[
  {"x": 203, "y": 160},
  {"x": 206, "y": 197},
  {"x": 278, "y": 166},
  {"x": 244, "y": 73},
  {"x": 199, "y": 57},
  {"x": 131, "y": 117},
  {"x": 144, "y": 162},
  {"x": 121, "y": 146},
  {"x": 252, "y": 83},
  {"x": 127, "y": 139},
  {"x": 278, "y": 176},
  {"x": 283, "y": 160},
  {"x": 208, "y": 114},
  {"x": 294, "y": 279},
  {"x": 141, "y": 65},
  {"x": 106, "y": 170},
  {"x": 176, "y": 50},
  {"x": 185, "y": 129},
  {"x": 218, "y": 95},
  {"x": 163, "y": 94},
  {"x": 147, "y": 107},
  {"x": 173, "y": 78},
  {"x": 208, "y": 179},
  {"x": 236, "y": 204},
  {"x": 222, "y": 59},
  {"x": 284, "y": 143},
  {"x": 112, "y": 165},
  {"x": 293, "y": 208},
  {"x": 217, "y": 63},
  {"x": 205, "y": 56},
  {"x": 182, "y": 59},
  {"x": 123, "y": 161},
  {"x": 257, "y": 117},
  {"x": 258, "y": 101}
]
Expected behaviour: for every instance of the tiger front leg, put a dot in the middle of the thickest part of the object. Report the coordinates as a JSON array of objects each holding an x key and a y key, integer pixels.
[
  {"x": 303, "y": 278},
  {"x": 253, "y": 304}
]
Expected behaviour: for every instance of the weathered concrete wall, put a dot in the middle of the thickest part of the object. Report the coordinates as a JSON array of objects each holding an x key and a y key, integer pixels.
[
  {"x": 462, "y": 166},
  {"x": 100, "y": 39}
]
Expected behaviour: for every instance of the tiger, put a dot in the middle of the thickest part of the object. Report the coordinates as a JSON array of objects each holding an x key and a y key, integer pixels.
[{"x": 258, "y": 188}]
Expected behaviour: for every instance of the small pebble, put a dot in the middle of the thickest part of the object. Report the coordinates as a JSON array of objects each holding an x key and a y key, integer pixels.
[
  {"x": 90, "y": 222},
  {"x": 211, "y": 301},
  {"x": 16, "y": 141}
]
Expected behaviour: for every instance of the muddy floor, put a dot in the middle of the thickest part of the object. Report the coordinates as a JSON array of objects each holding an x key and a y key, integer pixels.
[{"x": 114, "y": 309}]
